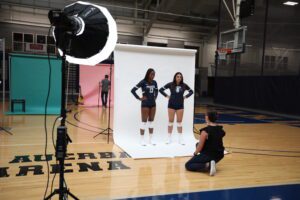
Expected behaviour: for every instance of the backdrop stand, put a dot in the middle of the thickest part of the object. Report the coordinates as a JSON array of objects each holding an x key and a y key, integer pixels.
[
  {"x": 5, "y": 129},
  {"x": 108, "y": 130}
]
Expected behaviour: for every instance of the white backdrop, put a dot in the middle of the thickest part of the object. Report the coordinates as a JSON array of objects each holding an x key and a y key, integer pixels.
[{"x": 131, "y": 64}]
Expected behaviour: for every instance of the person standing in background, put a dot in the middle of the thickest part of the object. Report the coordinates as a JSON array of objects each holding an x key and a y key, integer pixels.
[{"x": 105, "y": 87}]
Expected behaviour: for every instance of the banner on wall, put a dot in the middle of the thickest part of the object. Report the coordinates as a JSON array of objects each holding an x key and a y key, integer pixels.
[
  {"x": 131, "y": 64},
  {"x": 38, "y": 48},
  {"x": 90, "y": 81}
]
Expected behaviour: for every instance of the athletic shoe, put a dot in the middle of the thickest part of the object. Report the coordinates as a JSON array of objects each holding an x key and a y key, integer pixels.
[
  {"x": 181, "y": 141},
  {"x": 151, "y": 143},
  {"x": 169, "y": 141},
  {"x": 213, "y": 169},
  {"x": 143, "y": 143}
]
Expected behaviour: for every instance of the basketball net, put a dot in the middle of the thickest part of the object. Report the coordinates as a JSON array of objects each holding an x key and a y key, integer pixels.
[{"x": 222, "y": 52}]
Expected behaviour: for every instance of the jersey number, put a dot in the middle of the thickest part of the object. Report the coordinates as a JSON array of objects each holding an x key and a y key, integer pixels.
[{"x": 151, "y": 90}]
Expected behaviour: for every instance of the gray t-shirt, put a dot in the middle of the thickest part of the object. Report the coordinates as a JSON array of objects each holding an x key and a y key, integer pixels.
[{"x": 105, "y": 85}]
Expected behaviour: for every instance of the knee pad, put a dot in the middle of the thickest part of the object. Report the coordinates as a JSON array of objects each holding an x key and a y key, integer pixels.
[
  {"x": 170, "y": 124},
  {"x": 150, "y": 124},
  {"x": 143, "y": 125},
  {"x": 179, "y": 124}
]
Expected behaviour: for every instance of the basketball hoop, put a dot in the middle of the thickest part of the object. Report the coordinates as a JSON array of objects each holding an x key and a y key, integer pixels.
[{"x": 222, "y": 52}]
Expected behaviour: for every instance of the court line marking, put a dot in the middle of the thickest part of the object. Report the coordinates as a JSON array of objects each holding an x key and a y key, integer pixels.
[
  {"x": 14, "y": 145},
  {"x": 87, "y": 124},
  {"x": 264, "y": 154},
  {"x": 263, "y": 150},
  {"x": 212, "y": 190}
]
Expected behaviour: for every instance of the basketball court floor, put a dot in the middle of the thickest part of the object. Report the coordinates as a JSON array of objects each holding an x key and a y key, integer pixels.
[{"x": 263, "y": 163}]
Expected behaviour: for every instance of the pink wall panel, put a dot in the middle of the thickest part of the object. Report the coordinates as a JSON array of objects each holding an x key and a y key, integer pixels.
[{"x": 89, "y": 79}]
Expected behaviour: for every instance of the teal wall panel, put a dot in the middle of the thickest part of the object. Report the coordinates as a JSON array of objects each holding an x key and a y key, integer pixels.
[{"x": 29, "y": 80}]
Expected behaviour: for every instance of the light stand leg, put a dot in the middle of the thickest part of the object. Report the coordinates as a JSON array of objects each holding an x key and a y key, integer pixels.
[{"x": 5, "y": 130}]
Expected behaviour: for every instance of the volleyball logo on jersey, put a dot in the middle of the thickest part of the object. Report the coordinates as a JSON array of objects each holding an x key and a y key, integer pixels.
[
  {"x": 178, "y": 89},
  {"x": 150, "y": 88}
]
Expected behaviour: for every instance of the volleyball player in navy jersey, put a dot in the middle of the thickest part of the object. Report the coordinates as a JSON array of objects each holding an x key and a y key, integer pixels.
[
  {"x": 149, "y": 92},
  {"x": 176, "y": 103}
]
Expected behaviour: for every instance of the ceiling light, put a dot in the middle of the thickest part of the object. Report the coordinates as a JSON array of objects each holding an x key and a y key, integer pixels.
[{"x": 290, "y": 3}]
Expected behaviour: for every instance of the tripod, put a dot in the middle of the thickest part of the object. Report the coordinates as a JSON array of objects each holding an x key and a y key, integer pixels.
[
  {"x": 62, "y": 141},
  {"x": 108, "y": 129},
  {"x": 5, "y": 130}
]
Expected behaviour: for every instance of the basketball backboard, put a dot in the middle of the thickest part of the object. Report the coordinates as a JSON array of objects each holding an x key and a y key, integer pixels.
[{"x": 233, "y": 39}]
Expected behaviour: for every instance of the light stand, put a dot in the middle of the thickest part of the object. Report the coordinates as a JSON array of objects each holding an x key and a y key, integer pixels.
[
  {"x": 91, "y": 43},
  {"x": 65, "y": 33},
  {"x": 98, "y": 95},
  {"x": 62, "y": 140},
  {"x": 108, "y": 129}
]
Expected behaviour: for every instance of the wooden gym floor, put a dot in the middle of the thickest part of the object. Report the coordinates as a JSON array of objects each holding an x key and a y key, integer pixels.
[{"x": 264, "y": 150}]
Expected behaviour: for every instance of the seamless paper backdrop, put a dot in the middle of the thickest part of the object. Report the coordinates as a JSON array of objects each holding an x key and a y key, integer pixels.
[{"x": 131, "y": 64}]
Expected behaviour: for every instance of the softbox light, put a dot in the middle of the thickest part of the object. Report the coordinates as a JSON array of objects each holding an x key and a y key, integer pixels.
[{"x": 87, "y": 30}]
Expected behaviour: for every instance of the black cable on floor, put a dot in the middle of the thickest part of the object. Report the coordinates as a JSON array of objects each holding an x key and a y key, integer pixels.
[
  {"x": 45, "y": 119},
  {"x": 82, "y": 127}
]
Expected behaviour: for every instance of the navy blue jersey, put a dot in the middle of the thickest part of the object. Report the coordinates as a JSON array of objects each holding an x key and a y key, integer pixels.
[
  {"x": 177, "y": 93},
  {"x": 149, "y": 90}
]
